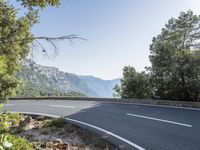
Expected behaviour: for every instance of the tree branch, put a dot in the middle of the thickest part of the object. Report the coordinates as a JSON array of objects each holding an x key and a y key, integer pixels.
[
  {"x": 68, "y": 37},
  {"x": 51, "y": 40}
]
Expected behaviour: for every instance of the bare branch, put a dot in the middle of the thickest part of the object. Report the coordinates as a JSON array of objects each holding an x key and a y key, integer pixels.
[
  {"x": 51, "y": 40},
  {"x": 68, "y": 37}
]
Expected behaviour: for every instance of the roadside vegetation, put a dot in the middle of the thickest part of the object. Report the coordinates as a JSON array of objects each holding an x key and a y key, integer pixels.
[
  {"x": 21, "y": 132},
  {"x": 10, "y": 125},
  {"x": 174, "y": 73}
]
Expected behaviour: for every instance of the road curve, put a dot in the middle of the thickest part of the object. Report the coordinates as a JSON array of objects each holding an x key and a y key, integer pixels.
[{"x": 131, "y": 126}]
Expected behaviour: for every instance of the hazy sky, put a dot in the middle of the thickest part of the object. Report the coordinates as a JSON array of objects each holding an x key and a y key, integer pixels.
[{"x": 119, "y": 33}]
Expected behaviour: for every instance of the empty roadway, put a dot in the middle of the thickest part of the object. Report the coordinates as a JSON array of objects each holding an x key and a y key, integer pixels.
[{"x": 130, "y": 126}]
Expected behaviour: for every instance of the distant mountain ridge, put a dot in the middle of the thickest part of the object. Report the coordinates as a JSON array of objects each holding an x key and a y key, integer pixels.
[
  {"x": 46, "y": 77},
  {"x": 102, "y": 88}
]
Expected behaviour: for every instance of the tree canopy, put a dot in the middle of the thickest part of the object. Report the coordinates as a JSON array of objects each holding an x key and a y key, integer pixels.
[
  {"x": 39, "y": 3},
  {"x": 16, "y": 30},
  {"x": 175, "y": 71},
  {"x": 175, "y": 63},
  {"x": 134, "y": 84}
]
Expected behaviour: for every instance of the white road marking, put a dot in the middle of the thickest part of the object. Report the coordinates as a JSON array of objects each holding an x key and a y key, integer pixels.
[
  {"x": 33, "y": 113},
  {"x": 154, "y": 105},
  {"x": 89, "y": 125},
  {"x": 62, "y": 106},
  {"x": 161, "y": 120},
  {"x": 108, "y": 132}
]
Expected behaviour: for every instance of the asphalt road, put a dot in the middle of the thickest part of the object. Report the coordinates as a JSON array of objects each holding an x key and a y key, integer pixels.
[{"x": 130, "y": 126}]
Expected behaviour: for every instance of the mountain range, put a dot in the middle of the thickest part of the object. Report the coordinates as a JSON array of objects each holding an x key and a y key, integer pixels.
[{"x": 46, "y": 79}]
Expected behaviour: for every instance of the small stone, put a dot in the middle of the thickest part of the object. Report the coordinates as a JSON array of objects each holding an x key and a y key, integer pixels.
[
  {"x": 58, "y": 140},
  {"x": 30, "y": 126}
]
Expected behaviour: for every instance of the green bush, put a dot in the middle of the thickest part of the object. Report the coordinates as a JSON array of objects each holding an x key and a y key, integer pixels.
[
  {"x": 58, "y": 123},
  {"x": 46, "y": 131},
  {"x": 7, "y": 120},
  {"x": 8, "y": 141},
  {"x": 14, "y": 143}
]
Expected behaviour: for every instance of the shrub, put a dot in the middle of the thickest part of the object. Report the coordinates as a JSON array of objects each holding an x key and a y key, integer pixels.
[{"x": 58, "y": 123}]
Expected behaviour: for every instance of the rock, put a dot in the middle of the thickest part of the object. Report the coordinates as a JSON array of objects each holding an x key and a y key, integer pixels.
[
  {"x": 30, "y": 126},
  {"x": 62, "y": 146},
  {"x": 43, "y": 145},
  {"x": 25, "y": 122},
  {"x": 58, "y": 140},
  {"x": 41, "y": 118}
]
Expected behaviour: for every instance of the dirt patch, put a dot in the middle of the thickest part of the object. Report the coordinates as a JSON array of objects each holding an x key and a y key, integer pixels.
[{"x": 56, "y": 134}]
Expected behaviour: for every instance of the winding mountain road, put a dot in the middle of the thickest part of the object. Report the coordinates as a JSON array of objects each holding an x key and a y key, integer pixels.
[{"x": 131, "y": 126}]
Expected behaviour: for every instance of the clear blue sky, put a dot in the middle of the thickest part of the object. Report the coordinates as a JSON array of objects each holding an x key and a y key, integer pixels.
[{"x": 119, "y": 33}]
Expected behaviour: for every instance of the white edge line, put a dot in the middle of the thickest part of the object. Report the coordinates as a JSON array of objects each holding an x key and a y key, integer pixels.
[
  {"x": 161, "y": 120},
  {"x": 60, "y": 106},
  {"x": 154, "y": 105},
  {"x": 89, "y": 125},
  {"x": 33, "y": 113},
  {"x": 8, "y": 104},
  {"x": 108, "y": 132}
]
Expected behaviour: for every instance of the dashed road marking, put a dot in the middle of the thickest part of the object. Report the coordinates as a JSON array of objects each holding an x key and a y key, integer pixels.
[
  {"x": 161, "y": 120},
  {"x": 62, "y": 106}
]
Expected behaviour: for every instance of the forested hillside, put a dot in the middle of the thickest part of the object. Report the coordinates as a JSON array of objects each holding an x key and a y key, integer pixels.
[{"x": 49, "y": 81}]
